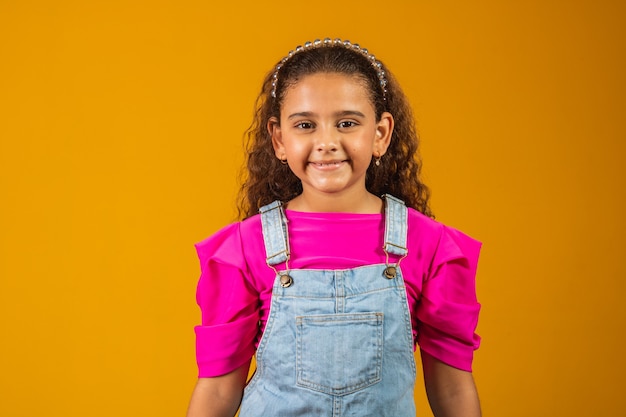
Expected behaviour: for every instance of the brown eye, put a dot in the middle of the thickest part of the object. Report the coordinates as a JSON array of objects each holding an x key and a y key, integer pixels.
[
  {"x": 304, "y": 125},
  {"x": 346, "y": 124}
]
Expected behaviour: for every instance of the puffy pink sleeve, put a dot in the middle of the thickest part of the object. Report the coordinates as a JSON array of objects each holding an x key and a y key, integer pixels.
[
  {"x": 230, "y": 317},
  {"x": 448, "y": 309}
]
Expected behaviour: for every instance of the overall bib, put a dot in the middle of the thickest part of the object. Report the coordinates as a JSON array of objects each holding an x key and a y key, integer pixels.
[{"x": 336, "y": 342}]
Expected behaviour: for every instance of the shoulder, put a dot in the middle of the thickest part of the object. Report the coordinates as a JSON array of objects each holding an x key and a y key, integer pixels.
[
  {"x": 439, "y": 241},
  {"x": 426, "y": 225},
  {"x": 227, "y": 244}
]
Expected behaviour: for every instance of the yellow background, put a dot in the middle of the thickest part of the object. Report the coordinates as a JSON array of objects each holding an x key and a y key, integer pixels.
[{"x": 121, "y": 125}]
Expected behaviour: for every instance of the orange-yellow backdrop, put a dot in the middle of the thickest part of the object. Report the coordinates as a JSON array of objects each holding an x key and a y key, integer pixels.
[{"x": 120, "y": 132}]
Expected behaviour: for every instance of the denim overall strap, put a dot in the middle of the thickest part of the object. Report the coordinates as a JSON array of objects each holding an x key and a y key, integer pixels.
[
  {"x": 395, "y": 226},
  {"x": 275, "y": 235}
]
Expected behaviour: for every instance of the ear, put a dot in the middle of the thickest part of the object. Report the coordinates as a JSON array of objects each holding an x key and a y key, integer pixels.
[
  {"x": 273, "y": 127},
  {"x": 384, "y": 129}
]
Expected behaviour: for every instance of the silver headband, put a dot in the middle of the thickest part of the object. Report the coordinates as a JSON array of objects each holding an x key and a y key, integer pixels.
[{"x": 378, "y": 66}]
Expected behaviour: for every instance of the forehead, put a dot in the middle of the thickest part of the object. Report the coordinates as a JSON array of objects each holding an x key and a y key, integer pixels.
[{"x": 327, "y": 89}]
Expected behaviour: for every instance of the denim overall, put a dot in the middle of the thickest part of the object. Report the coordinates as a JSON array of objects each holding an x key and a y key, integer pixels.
[{"x": 336, "y": 342}]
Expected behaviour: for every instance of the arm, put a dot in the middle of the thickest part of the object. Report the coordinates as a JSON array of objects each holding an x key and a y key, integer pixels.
[
  {"x": 219, "y": 396},
  {"x": 451, "y": 392}
]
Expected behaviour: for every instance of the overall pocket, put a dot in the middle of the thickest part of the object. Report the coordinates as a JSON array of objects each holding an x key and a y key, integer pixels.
[{"x": 339, "y": 353}]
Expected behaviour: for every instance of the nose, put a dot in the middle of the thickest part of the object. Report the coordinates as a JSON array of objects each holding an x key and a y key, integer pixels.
[{"x": 326, "y": 140}]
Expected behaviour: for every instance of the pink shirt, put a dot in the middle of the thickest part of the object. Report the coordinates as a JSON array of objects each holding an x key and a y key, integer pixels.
[{"x": 235, "y": 286}]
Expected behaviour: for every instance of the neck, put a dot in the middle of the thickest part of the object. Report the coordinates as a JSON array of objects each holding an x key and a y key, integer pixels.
[{"x": 362, "y": 203}]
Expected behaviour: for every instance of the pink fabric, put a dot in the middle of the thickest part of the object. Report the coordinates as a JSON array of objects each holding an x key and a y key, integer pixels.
[{"x": 235, "y": 286}]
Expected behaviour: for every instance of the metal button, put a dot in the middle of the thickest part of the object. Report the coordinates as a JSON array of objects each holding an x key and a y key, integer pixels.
[
  {"x": 285, "y": 281},
  {"x": 390, "y": 272}
]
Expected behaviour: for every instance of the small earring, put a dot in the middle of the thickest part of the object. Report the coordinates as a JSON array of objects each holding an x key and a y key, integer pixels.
[
  {"x": 283, "y": 161},
  {"x": 377, "y": 159}
]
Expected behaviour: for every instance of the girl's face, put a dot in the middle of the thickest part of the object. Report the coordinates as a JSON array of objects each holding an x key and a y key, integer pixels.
[{"x": 328, "y": 134}]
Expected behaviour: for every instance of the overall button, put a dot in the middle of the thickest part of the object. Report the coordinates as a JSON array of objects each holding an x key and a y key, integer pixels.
[
  {"x": 286, "y": 281},
  {"x": 390, "y": 272}
]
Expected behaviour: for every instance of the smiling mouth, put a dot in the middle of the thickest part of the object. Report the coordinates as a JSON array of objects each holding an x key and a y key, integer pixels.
[{"x": 327, "y": 164}]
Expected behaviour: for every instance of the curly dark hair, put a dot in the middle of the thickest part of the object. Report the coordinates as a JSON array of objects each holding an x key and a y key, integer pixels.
[{"x": 265, "y": 179}]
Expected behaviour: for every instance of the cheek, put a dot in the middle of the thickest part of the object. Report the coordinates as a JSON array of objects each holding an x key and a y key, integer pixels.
[
  {"x": 363, "y": 146},
  {"x": 295, "y": 147}
]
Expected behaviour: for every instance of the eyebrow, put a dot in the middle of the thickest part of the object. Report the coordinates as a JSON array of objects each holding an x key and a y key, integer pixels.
[{"x": 343, "y": 113}]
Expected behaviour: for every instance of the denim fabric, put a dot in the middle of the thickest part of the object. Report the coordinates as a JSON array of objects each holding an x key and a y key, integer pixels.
[
  {"x": 336, "y": 342},
  {"x": 276, "y": 240},
  {"x": 395, "y": 231}
]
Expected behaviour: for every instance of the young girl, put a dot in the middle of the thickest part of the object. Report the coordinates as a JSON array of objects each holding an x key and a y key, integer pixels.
[{"x": 338, "y": 268}]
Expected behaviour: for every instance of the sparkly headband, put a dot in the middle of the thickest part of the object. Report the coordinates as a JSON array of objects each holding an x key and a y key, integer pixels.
[{"x": 378, "y": 66}]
